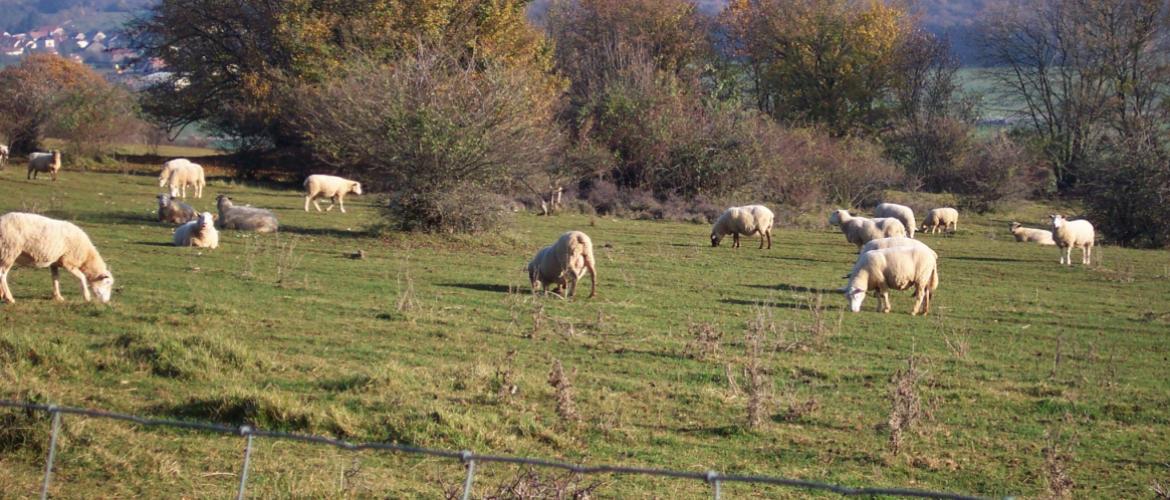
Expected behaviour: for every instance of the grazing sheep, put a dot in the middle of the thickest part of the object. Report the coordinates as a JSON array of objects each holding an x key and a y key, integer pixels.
[
  {"x": 894, "y": 242},
  {"x": 38, "y": 241},
  {"x": 563, "y": 263},
  {"x": 174, "y": 211},
  {"x": 746, "y": 220},
  {"x": 1070, "y": 234},
  {"x": 44, "y": 162},
  {"x": 898, "y": 268},
  {"x": 198, "y": 233},
  {"x": 903, "y": 213},
  {"x": 244, "y": 218},
  {"x": 179, "y": 173},
  {"x": 329, "y": 186},
  {"x": 860, "y": 230},
  {"x": 3, "y": 155},
  {"x": 1027, "y": 234},
  {"x": 941, "y": 219}
]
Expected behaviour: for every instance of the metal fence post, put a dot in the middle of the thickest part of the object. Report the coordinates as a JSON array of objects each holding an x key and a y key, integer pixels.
[
  {"x": 245, "y": 431},
  {"x": 713, "y": 480},
  {"x": 467, "y": 458},
  {"x": 52, "y": 451}
]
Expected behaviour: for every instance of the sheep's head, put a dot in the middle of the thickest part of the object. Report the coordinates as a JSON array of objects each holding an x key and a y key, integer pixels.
[
  {"x": 855, "y": 296},
  {"x": 836, "y": 216},
  {"x": 164, "y": 200},
  {"x": 206, "y": 219},
  {"x": 715, "y": 239},
  {"x": 102, "y": 286},
  {"x": 1014, "y": 226},
  {"x": 223, "y": 201},
  {"x": 1057, "y": 220},
  {"x": 356, "y": 188}
]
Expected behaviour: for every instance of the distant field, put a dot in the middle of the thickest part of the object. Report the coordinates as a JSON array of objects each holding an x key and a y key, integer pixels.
[
  {"x": 994, "y": 104},
  {"x": 412, "y": 345}
]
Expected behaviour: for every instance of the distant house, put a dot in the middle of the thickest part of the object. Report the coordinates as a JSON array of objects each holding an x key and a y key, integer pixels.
[{"x": 98, "y": 37}]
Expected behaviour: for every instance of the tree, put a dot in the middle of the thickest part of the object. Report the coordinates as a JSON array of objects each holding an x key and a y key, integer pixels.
[
  {"x": 234, "y": 62},
  {"x": 828, "y": 62},
  {"x": 47, "y": 94},
  {"x": 1084, "y": 70}
]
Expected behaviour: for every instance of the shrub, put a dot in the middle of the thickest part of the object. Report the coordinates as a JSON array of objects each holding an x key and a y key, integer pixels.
[
  {"x": 994, "y": 172},
  {"x": 1125, "y": 193}
]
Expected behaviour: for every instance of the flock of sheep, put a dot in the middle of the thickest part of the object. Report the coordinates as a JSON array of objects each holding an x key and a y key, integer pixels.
[{"x": 889, "y": 255}]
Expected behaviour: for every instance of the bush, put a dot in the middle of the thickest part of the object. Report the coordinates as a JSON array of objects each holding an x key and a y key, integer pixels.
[
  {"x": 994, "y": 172},
  {"x": 928, "y": 150},
  {"x": 458, "y": 211},
  {"x": 1125, "y": 190}
]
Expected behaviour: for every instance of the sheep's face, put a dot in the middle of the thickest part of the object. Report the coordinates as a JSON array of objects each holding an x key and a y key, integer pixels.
[
  {"x": 206, "y": 220},
  {"x": 715, "y": 239},
  {"x": 356, "y": 188},
  {"x": 855, "y": 296},
  {"x": 102, "y": 286},
  {"x": 164, "y": 200},
  {"x": 1057, "y": 221},
  {"x": 836, "y": 216}
]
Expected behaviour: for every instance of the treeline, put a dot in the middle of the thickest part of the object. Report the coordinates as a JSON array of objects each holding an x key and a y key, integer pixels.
[{"x": 656, "y": 107}]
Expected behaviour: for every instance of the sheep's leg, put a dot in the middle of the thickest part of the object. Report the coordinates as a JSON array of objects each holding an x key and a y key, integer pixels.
[
  {"x": 341, "y": 203},
  {"x": 332, "y": 201},
  {"x": 919, "y": 297},
  {"x": 929, "y": 293},
  {"x": 307, "y": 200},
  {"x": 734, "y": 240},
  {"x": 56, "y": 271},
  {"x": 84, "y": 282},
  {"x": 1086, "y": 255},
  {"x": 5, "y": 292},
  {"x": 885, "y": 301}
]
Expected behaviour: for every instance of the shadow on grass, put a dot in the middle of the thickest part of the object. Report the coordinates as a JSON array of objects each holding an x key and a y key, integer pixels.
[
  {"x": 989, "y": 259},
  {"x": 121, "y": 218},
  {"x": 784, "y": 305},
  {"x": 154, "y": 243},
  {"x": 484, "y": 287},
  {"x": 794, "y": 288},
  {"x": 325, "y": 232}
]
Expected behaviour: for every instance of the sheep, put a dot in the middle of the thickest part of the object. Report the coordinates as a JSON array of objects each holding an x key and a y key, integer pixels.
[
  {"x": 944, "y": 219},
  {"x": 563, "y": 263},
  {"x": 746, "y": 220},
  {"x": 180, "y": 173},
  {"x": 1038, "y": 236},
  {"x": 894, "y": 242},
  {"x": 198, "y": 233},
  {"x": 1070, "y": 234},
  {"x": 3, "y": 155},
  {"x": 329, "y": 186},
  {"x": 244, "y": 218},
  {"x": 38, "y": 241},
  {"x": 898, "y": 268},
  {"x": 44, "y": 162},
  {"x": 903, "y": 213},
  {"x": 860, "y": 230},
  {"x": 174, "y": 211}
]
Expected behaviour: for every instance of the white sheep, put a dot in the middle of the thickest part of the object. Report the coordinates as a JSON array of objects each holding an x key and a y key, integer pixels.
[
  {"x": 563, "y": 263},
  {"x": 244, "y": 218},
  {"x": 174, "y": 211},
  {"x": 903, "y": 213},
  {"x": 38, "y": 241},
  {"x": 3, "y": 155},
  {"x": 1027, "y": 234},
  {"x": 860, "y": 230},
  {"x": 941, "y": 219},
  {"x": 329, "y": 186},
  {"x": 894, "y": 242},
  {"x": 897, "y": 268},
  {"x": 1070, "y": 234},
  {"x": 44, "y": 162},
  {"x": 746, "y": 220},
  {"x": 179, "y": 173},
  {"x": 198, "y": 233}
]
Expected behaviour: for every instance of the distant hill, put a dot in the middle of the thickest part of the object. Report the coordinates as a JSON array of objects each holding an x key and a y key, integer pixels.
[{"x": 19, "y": 16}]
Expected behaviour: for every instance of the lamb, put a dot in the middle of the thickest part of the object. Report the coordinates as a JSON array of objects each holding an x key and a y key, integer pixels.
[
  {"x": 860, "y": 230},
  {"x": 329, "y": 186},
  {"x": 244, "y": 218},
  {"x": 180, "y": 173},
  {"x": 3, "y": 155},
  {"x": 44, "y": 162},
  {"x": 563, "y": 263},
  {"x": 746, "y": 220},
  {"x": 898, "y": 268},
  {"x": 1070, "y": 234},
  {"x": 1038, "y": 236},
  {"x": 944, "y": 219},
  {"x": 198, "y": 233},
  {"x": 38, "y": 241},
  {"x": 174, "y": 211},
  {"x": 903, "y": 213}
]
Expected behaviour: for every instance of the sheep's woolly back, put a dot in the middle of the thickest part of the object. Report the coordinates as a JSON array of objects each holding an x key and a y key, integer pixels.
[
  {"x": 747, "y": 219},
  {"x": 183, "y": 174},
  {"x": 35, "y": 240},
  {"x": 903, "y": 213},
  {"x": 244, "y": 218},
  {"x": 895, "y": 242},
  {"x": 174, "y": 211},
  {"x": 895, "y": 268},
  {"x": 941, "y": 217},
  {"x": 860, "y": 230},
  {"x": 328, "y": 186},
  {"x": 45, "y": 162},
  {"x": 169, "y": 167},
  {"x": 571, "y": 254}
]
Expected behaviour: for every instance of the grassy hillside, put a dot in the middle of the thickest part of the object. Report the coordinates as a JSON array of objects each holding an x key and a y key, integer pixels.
[{"x": 413, "y": 343}]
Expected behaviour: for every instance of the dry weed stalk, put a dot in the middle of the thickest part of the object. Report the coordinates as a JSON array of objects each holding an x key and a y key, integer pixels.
[
  {"x": 406, "y": 301},
  {"x": 759, "y": 386},
  {"x": 706, "y": 341},
  {"x": 1056, "y": 462},
  {"x": 557, "y": 378},
  {"x": 906, "y": 406},
  {"x": 537, "y": 319},
  {"x": 506, "y": 378}
]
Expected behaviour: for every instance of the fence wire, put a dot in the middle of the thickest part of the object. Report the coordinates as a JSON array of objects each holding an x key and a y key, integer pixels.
[{"x": 712, "y": 478}]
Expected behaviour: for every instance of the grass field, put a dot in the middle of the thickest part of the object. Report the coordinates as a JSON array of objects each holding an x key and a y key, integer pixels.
[{"x": 413, "y": 343}]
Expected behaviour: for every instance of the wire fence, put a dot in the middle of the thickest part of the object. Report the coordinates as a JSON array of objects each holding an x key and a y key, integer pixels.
[{"x": 712, "y": 478}]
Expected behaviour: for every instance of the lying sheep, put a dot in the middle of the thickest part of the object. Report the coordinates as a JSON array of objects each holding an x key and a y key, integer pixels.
[
  {"x": 198, "y": 233},
  {"x": 903, "y": 213},
  {"x": 563, "y": 263},
  {"x": 1027, "y": 234},
  {"x": 244, "y": 218},
  {"x": 1070, "y": 234},
  {"x": 44, "y": 162},
  {"x": 174, "y": 211},
  {"x": 746, "y": 220},
  {"x": 329, "y": 186},
  {"x": 941, "y": 219},
  {"x": 898, "y": 268},
  {"x": 179, "y": 173},
  {"x": 38, "y": 241},
  {"x": 860, "y": 230}
]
